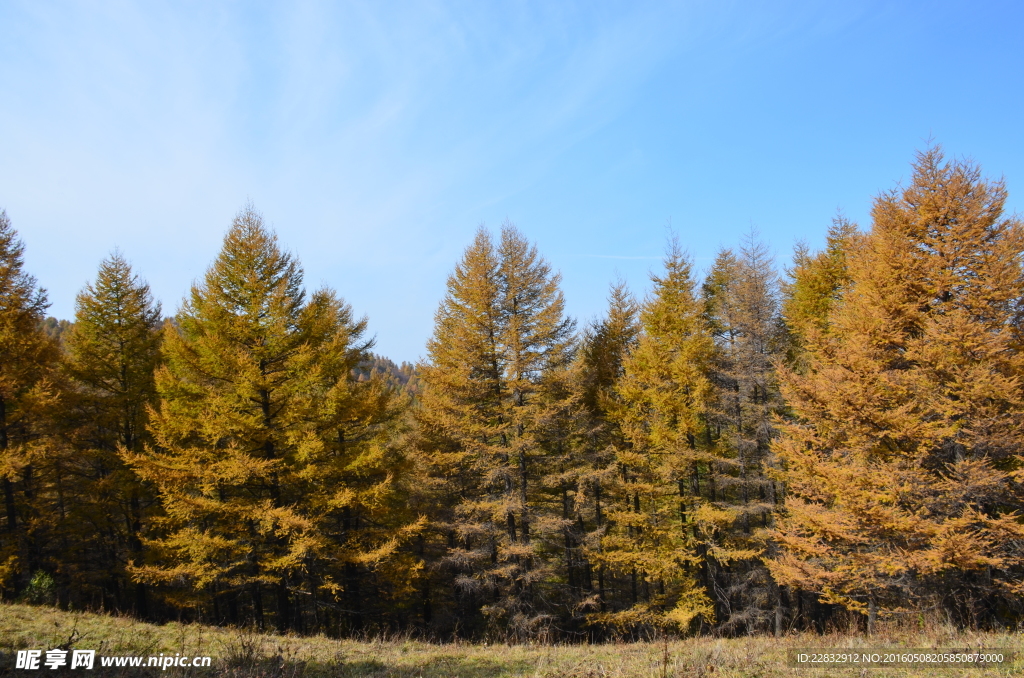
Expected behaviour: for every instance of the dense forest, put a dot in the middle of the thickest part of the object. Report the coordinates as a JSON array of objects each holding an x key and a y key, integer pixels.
[{"x": 751, "y": 450}]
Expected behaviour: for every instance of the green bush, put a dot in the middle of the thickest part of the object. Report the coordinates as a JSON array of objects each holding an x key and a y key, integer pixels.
[{"x": 41, "y": 590}]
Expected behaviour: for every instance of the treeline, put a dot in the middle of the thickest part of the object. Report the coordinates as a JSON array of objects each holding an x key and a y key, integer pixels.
[
  {"x": 404, "y": 378},
  {"x": 742, "y": 453}
]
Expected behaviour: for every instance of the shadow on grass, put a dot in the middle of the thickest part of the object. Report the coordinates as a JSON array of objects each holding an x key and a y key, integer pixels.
[
  {"x": 437, "y": 667},
  {"x": 446, "y": 666}
]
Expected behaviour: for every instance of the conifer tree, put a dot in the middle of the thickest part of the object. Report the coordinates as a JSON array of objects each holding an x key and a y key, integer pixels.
[
  {"x": 112, "y": 350},
  {"x": 607, "y": 344},
  {"x": 494, "y": 391},
  {"x": 273, "y": 464},
  {"x": 604, "y": 349},
  {"x": 55, "y": 329},
  {"x": 741, "y": 296},
  {"x": 666, "y": 521},
  {"x": 27, "y": 358},
  {"x": 818, "y": 281},
  {"x": 902, "y": 462}
]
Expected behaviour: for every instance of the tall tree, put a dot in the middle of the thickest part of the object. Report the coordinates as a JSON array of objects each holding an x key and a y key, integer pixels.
[
  {"x": 111, "y": 352},
  {"x": 272, "y": 462},
  {"x": 741, "y": 296},
  {"x": 666, "y": 520},
  {"x": 605, "y": 347},
  {"x": 494, "y": 392},
  {"x": 817, "y": 282},
  {"x": 27, "y": 358},
  {"x": 901, "y": 460}
]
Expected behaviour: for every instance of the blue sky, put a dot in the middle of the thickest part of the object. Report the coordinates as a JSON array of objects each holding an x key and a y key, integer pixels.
[{"x": 376, "y": 136}]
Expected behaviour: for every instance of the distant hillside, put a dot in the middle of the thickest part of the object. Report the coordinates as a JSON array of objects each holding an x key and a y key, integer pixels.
[
  {"x": 55, "y": 328},
  {"x": 403, "y": 378}
]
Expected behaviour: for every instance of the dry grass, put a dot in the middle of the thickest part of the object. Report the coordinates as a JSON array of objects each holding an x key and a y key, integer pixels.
[{"x": 247, "y": 654}]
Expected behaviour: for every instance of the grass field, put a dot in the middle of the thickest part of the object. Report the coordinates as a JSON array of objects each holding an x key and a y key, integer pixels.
[{"x": 242, "y": 653}]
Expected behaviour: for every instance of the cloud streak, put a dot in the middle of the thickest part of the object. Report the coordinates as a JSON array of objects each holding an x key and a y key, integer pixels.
[{"x": 376, "y": 136}]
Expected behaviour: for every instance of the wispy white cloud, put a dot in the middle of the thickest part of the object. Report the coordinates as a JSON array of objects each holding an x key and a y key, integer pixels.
[{"x": 374, "y": 135}]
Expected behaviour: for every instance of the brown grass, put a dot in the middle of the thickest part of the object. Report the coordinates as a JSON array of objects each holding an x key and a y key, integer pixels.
[{"x": 247, "y": 654}]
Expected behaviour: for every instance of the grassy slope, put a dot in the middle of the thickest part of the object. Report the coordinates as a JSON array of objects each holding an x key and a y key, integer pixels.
[{"x": 242, "y": 653}]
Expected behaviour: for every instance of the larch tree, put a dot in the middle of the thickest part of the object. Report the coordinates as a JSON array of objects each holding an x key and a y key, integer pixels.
[
  {"x": 273, "y": 464},
  {"x": 605, "y": 346},
  {"x": 667, "y": 523},
  {"x": 27, "y": 394},
  {"x": 816, "y": 283},
  {"x": 741, "y": 296},
  {"x": 494, "y": 396},
  {"x": 902, "y": 463},
  {"x": 111, "y": 352}
]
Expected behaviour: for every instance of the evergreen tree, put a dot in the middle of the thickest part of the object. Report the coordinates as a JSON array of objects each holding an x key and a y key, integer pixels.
[
  {"x": 272, "y": 462},
  {"x": 494, "y": 394},
  {"x": 901, "y": 460},
  {"x": 112, "y": 350},
  {"x": 27, "y": 392}
]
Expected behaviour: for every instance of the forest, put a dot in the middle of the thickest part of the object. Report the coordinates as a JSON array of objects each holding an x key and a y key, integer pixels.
[{"x": 754, "y": 449}]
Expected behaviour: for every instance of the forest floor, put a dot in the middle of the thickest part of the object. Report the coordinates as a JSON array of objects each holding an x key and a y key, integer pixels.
[{"x": 247, "y": 654}]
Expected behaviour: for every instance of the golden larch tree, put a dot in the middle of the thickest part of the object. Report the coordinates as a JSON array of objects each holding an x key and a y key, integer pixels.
[
  {"x": 902, "y": 460},
  {"x": 491, "y": 426},
  {"x": 666, "y": 522},
  {"x": 111, "y": 352},
  {"x": 273, "y": 463},
  {"x": 28, "y": 358}
]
